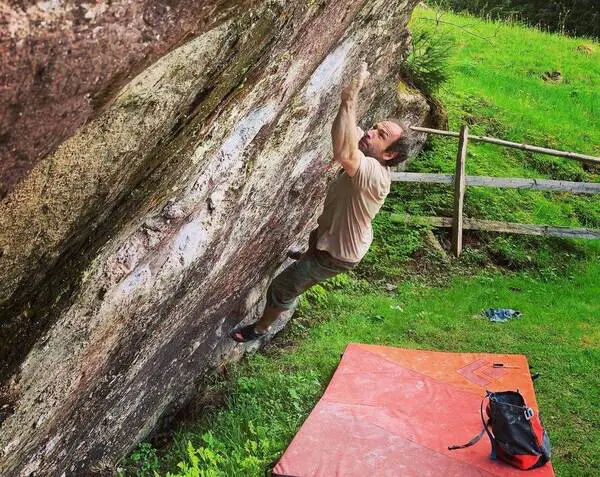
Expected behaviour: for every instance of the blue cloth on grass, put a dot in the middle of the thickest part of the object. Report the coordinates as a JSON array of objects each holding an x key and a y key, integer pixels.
[{"x": 501, "y": 315}]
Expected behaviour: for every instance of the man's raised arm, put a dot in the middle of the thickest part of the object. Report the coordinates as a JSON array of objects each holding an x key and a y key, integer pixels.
[{"x": 344, "y": 130}]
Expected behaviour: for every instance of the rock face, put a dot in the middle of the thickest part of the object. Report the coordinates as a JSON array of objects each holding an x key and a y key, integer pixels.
[
  {"x": 62, "y": 61},
  {"x": 129, "y": 250}
]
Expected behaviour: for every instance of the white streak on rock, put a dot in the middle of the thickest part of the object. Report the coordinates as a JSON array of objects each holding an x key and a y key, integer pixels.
[
  {"x": 139, "y": 278},
  {"x": 189, "y": 241},
  {"x": 303, "y": 161},
  {"x": 329, "y": 73}
]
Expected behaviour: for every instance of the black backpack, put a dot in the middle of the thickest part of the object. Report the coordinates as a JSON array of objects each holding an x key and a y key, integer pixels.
[{"x": 517, "y": 435}]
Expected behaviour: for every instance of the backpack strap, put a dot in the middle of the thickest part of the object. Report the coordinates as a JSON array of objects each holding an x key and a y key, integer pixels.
[
  {"x": 485, "y": 429},
  {"x": 493, "y": 453},
  {"x": 472, "y": 442}
]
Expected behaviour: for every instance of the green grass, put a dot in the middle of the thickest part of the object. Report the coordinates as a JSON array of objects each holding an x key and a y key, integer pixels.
[
  {"x": 497, "y": 88},
  {"x": 270, "y": 394}
]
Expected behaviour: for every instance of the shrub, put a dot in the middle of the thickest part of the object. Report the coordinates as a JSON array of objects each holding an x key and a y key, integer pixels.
[
  {"x": 427, "y": 66},
  {"x": 145, "y": 460}
]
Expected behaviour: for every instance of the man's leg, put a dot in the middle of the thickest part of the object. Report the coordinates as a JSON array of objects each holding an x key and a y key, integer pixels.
[
  {"x": 284, "y": 291},
  {"x": 269, "y": 317},
  {"x": 286, "y": 287}
]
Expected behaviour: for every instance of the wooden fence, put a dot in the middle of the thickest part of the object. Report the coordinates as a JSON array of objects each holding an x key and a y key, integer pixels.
[{"x": 458, "y": 222}]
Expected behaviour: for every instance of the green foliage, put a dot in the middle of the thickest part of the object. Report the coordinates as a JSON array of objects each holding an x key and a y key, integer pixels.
[
  {"x": 263, "y": 412},
  {"x": 388, "y": 254},
  {"x": 272, "y": 393},
  {"x": 427, "y": 64},
  {"x": 579, "y": 17},
  {"x": 316, "y": 295},
  {"x": 337, "y": 282},
  {"x": 202, "y": 462},
  {"x": 145, "y": 461},
  {"x": 474, "y": 256},
  {"x": 498, "y": 90}
]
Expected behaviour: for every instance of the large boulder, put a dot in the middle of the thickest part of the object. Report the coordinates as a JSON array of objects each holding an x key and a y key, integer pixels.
[
  {"x": 130, "y": 249},
  {"x": 62, "y": 61}
]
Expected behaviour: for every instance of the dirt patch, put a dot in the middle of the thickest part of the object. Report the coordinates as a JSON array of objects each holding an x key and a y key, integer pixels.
[
  {"x": 553, "y": 77},
  {"x": 586, "y": 49}
]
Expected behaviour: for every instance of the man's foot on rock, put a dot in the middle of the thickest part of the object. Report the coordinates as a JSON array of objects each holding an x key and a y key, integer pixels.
[{"x": 245, "y": 334}]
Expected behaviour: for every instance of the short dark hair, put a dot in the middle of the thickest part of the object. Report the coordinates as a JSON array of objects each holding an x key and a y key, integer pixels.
[{"x": 401, "y": 146}]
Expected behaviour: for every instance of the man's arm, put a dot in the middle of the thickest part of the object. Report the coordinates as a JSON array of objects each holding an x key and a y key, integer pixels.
[{"x": 344, "y": 131}]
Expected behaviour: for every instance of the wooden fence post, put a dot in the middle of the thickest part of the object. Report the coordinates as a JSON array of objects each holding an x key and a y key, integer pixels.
[{"x": 459, "y": 191}]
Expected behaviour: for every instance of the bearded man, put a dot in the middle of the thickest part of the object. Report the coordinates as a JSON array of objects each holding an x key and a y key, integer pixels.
[{"x": 344, "y": 231}]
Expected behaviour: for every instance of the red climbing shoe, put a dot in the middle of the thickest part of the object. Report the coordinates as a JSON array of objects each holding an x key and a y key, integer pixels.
[{"x": 245, "y": 334}]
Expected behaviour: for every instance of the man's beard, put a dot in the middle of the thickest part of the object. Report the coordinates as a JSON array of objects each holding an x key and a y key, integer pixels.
[{"x": 364, "y": 148}]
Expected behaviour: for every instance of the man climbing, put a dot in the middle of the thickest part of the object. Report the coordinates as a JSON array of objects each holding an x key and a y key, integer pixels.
[{"x": 344, "y": 231}]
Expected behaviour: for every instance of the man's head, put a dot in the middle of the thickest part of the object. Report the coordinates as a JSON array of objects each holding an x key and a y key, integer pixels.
[{"x": 387, "y": 142}]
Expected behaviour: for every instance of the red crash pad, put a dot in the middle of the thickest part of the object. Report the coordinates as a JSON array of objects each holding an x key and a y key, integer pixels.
[{"x": 393, "y": 412}]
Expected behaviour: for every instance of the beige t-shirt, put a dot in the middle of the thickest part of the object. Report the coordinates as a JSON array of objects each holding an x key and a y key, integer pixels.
[{"x": 345, "y": 225}]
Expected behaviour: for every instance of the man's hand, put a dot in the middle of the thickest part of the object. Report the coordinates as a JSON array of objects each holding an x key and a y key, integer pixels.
[
  {"x": 350, "y": 91},
  {"x": 344, "y": 132}
]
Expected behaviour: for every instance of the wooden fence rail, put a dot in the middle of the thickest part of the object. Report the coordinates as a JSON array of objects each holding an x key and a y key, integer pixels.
[
  {"x": 501, "y": 182},
  {"x": 506, "y": 227},
  {"x": 458, "y": 222},
  {"x": 515, "y": 145}
]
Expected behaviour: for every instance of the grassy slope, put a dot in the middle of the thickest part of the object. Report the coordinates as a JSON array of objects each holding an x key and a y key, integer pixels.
[
  {"x": 498, "y": 87},
  {"x": 270, "y": 394}
]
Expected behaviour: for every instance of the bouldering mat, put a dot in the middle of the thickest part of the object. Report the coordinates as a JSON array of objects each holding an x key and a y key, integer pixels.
[{"x": 394, "y": 412}]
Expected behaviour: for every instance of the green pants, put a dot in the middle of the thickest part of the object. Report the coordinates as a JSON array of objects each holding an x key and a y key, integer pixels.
[{"x": 313, "y": 267}]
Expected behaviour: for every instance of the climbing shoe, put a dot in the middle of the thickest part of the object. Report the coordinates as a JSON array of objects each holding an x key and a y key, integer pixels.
[{"x": 245, "y": 334}]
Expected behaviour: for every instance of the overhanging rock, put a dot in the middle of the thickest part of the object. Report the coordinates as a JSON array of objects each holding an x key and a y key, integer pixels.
[{"x": 128, "y": 253}]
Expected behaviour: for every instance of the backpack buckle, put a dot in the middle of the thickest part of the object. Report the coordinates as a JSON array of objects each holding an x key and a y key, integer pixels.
[{"x": 528, "y": 413}]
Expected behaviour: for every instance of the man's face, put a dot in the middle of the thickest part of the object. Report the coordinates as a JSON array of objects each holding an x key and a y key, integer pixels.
[{"x": 377, "y": 139}]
